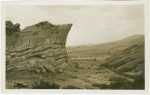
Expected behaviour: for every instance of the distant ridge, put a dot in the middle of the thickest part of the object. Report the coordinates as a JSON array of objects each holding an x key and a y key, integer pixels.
[
  {"x": 105, "y": 49},
  {"x": 132, "y": 38}
]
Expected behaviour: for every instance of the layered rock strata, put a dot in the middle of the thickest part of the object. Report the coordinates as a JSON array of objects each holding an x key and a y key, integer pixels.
[{"x": 41, "y": 46}]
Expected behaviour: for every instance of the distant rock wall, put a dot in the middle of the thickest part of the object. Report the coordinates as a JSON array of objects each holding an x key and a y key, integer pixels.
[{"x": 41, "y": 46}]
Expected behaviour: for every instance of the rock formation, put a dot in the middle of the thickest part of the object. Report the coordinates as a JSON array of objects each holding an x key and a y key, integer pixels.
[{"x": 40, "y": 46}]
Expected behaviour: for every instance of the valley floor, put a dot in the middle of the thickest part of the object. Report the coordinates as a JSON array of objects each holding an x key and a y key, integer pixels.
[{"x": 87, "y": 75}]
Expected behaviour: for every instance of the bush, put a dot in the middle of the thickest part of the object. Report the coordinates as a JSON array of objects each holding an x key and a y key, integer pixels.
[
  {"x": 78, "y": 65},
  {"x": 99, "y": 68},
  {"x": 117, "y": 79},
  {"x": 74, "y": 76},
  {"x": 71, "y": 87},
  {"x": 101, "y": 86},
  {"x": 139, "y": 82},
  {"x": 114, "y": 85},
  {"x": 122, "y": 83},
  {"x": 89, "y": 67},
  {"x": 75, "y": 70},
  {"x": 45, "y": 85}
]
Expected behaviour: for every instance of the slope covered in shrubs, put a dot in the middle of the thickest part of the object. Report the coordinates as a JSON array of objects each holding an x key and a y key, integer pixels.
[{"x": 131, "y": 59}]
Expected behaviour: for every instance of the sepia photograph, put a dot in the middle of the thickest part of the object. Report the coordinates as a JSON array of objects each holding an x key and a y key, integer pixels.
[{"x": 98, "y": 47}]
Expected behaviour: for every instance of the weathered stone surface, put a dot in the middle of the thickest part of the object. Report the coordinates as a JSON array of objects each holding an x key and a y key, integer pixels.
[
  {"x": 42, "y": 45},
  {"x": 60, "y": 68},
  {"x": 37, "y": 71},
  {"x": 49, "y": 68}
]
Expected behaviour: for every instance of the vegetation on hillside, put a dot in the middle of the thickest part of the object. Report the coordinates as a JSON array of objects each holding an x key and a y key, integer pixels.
[
  {"x": 122, "y": 83},
  {"x": 45, "y": 85},
  {"x": 116, "y": 83}
]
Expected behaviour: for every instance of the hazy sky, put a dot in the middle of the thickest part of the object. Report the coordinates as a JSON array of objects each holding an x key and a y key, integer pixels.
[{"x": 92, "y": 24}]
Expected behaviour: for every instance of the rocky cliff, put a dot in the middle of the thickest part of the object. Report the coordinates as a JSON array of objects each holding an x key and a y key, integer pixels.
[{"x": 40, "y": 46}]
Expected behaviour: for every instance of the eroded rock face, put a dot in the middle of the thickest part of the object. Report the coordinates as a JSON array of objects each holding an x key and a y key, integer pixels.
[{"x": 41, "y": 46}]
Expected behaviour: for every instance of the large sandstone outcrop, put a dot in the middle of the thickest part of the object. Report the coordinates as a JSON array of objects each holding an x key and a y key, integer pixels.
[{"x": 41, "y": 46}]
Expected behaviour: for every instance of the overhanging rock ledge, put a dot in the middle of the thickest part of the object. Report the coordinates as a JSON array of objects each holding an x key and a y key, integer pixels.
[{"x": 40, "y": 46}]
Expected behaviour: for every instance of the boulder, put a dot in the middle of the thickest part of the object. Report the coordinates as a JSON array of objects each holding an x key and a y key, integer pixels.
[
  {"x": 49, "y": 68},
  {"x": 44, "y": 71},
  {"x": 37, "y": 71},
  {"x": 40, "y": 77},
  {"x": 60, "y": 68},
  {"x": 74, "y": 76},
  {"x": 78, "y": 65}
]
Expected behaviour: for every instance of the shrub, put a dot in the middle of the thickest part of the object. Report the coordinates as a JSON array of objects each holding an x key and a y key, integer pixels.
[
  {"x": 114, "y": 85},
  {"x": 117, "y": 79},
  {"x": 139, "y": 82},
  {"x": 101, "y": 86},
  {"x": 122, "y": 83},
  {"x": 79, "y": 66},
  {"x": 75, "y": 64},
  {"x": 71, "y": 87},
  {"x": 75, "y": 70},
  {"x": 89, "y": 67},
  {"x": 45, "y": 85},
  {"x": 74, "y": 76},
  {"x": 62, "y": 79},
  {"x": 99, "y": 68}
]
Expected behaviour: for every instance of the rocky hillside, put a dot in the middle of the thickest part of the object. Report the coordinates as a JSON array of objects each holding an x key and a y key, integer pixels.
[
  {"x": 126, "y": 55},
  {"x": 104, "y": 49},
  {"x": 40, "y": 46},
  {"x": 130, "y": 60}
]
